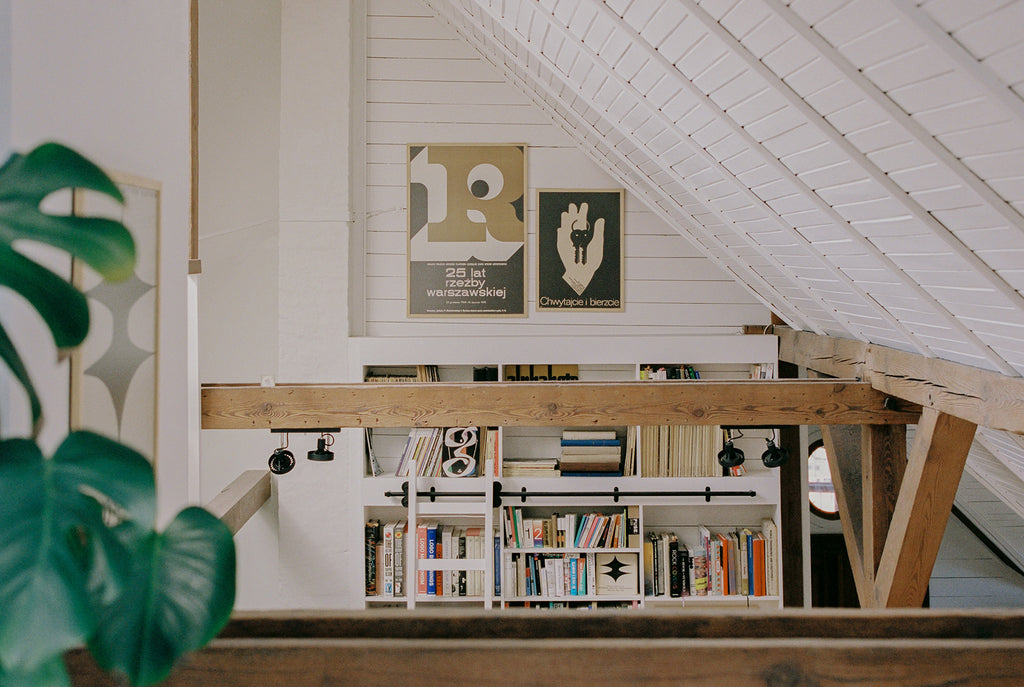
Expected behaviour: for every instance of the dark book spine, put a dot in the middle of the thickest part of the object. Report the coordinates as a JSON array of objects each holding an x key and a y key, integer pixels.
[
  {"x": 658, "y": 591},
  {"x": 675, "y": 585},
  {"x": 372, "y": 535},
  {"x": 685, "y": 564},
  {"x": 462, "y": 573}
]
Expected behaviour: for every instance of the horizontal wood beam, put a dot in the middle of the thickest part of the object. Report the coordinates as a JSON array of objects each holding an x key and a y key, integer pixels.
[
  {"x": 982, "y": 397},
  {"x": 592, "y": 662},
  {"x": 542, "y": 404},
  {"x": 795, "y": 646},
  {"x": 240, "y": 500},
  {"x": 787, "y": 623}
]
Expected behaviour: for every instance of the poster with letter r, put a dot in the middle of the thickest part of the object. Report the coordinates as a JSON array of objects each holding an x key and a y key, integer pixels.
[{"x": 467, "y": 230}]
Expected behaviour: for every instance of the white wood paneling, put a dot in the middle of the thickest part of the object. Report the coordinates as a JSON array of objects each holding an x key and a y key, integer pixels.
[{"x": 414, "y": 62}]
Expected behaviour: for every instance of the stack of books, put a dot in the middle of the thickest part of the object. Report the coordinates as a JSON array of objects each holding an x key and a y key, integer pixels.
[
  {"x": 590, "y": 452},
  {"x": 528, "y": 467}
]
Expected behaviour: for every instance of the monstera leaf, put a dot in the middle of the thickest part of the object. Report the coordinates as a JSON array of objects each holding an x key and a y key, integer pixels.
[
  {"x": 103, "y": 244},
  {"x": 180, "y": 595},
  {"x": 53, "y": 511},
  {"x": 49, "y": 674}
]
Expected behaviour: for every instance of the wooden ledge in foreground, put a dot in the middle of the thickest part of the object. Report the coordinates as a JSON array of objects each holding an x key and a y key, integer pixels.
[{"x": 897, "y": 648}]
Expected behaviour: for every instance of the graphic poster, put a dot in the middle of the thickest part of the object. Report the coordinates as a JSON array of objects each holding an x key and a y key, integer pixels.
[
  {"x": 467, "y": 232},
  {"x": 579, "y": 250}
]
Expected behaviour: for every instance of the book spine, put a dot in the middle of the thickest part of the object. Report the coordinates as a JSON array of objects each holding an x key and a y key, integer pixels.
[
  {"x": 463, "y": 583},
  {"x": 675, "y": 582},
  {"x": 421, "y": 553},
  {"x": 497, "y": 568},
  {"x": 432, "y": 554},
  {"x": 591, "y": 573},
  {"x": 591, "y": 442},
  {"x": 371, "y": 534},
  {"x": 388, "y": 567},
  {"x": 400, "y": 559}
]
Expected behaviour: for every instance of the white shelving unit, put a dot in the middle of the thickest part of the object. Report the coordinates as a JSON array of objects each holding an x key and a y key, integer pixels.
[{"x": 660, "y": 507}]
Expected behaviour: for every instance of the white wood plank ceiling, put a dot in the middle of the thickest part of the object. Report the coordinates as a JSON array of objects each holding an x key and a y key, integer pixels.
[{"x": 857, "y": 164}]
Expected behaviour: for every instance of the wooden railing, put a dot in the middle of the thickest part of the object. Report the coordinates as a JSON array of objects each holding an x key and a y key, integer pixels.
[
  {"x": 897, "y": 648},
  {"x": 240, "y": 500}
]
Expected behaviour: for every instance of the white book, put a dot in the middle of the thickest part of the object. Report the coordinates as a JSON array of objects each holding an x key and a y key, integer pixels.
[
  {"x": 584, "y": 434},
  {"x": 388, "y": 564},
  {"x": 447, "y": 552},
  {"x": 399, "y": 567},
  {"x": 591, "y": 573}
]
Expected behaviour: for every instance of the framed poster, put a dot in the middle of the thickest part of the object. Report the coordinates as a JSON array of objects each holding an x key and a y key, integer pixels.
[
  {"x": 467, "y": 230},
  {"x": 113, "y": 372},
  {"x": 579, "y": 250}
]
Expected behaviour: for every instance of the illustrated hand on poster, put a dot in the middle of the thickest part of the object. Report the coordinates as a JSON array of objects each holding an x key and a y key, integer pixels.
[{"x": 580, "y": 246}]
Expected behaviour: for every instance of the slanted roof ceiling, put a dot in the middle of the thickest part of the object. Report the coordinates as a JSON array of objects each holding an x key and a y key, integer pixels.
[{"x": 857, "y": 164}]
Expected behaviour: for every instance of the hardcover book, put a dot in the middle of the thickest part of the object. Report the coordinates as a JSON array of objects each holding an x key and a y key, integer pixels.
[{"x": 617, "y": 574}]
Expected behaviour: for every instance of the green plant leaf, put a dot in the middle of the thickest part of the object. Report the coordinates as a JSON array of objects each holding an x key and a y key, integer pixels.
[
  {"x": 49, "y": 505},
  {"x": 9, "y": 355},
  {"x": 51, "y": 167},
  {"x": 180, "y": 596},
  {"x": 53, "y": 673},
  {"x": 62, "y": 307},
  {"x": 25, "y": 180}
]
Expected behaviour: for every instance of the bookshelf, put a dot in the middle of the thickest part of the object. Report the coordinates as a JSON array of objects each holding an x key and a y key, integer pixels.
[{"x": 671, "y": 500}]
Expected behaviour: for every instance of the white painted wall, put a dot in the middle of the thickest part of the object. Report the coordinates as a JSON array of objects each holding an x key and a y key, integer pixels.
[
  {"x": 239, "y": 143},
  {"x": 110, "y": 78}
]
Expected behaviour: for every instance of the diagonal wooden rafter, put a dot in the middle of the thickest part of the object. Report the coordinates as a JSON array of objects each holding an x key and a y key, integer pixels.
[{"x": 925, "y": 501}]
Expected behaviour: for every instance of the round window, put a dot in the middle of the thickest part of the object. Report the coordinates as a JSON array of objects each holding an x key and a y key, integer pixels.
[{"x": 819, "y": 482}]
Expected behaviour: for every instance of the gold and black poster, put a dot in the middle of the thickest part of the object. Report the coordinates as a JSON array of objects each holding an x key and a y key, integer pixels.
[
  {"x": 579, "y": 250},
  {"x": 467, "y": 230}
]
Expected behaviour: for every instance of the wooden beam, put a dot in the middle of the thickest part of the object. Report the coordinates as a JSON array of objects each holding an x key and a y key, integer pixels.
[
  {"x": 591, "y": 662},
  {"x": 546, "y": 404},
  {"x": 793, "y": 512},
  {"x": 844, "y": 451},
  {"x": 982, "y": 397},
  {"x": 922, "y": 510},
  {"x": 884, "y": 458},
  {"x": 240, "y": 500}
]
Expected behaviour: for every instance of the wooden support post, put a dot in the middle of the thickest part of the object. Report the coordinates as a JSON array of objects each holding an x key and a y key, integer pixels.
[
  {"x": 844, "y": 450},
  {"x": 793, "y": 507},
  {"x": 884, "y": 456},
  {"x": 867, "y": 464},
  {"x": 925, "y": 500}
]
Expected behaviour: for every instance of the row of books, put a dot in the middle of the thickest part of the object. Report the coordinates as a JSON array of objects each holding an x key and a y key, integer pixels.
[
  {"x": 572, "y": 530},
  {"x": 668, "y": 372},
  {"x": 448, "y": 451},
  {"x": 568, "y": 575},
  {"x": 734, "y": 562},
  {"x": 424, "y": 373},
  {"x": 386, "y": 550},
  {"x": 680, "y": 450}
]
